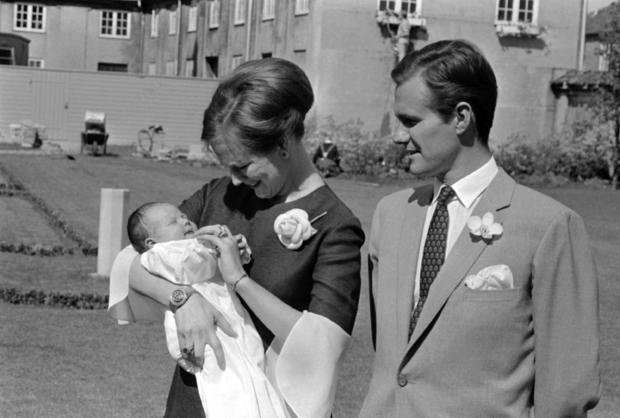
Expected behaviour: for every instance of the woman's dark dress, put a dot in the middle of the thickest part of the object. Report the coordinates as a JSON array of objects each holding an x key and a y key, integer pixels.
[{"x": 322, "y": 277}]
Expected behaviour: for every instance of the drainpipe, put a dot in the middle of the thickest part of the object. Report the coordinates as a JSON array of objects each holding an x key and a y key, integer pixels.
[
  {"x": 249, "y": 33},
  {"x": 179, "y": 39},
  {"x": 85, "y": 55},
  {"x": 142, "y": 40},
  {"x": 582, "y": 34}
]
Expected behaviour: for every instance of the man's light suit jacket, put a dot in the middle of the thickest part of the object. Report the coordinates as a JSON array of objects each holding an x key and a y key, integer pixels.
[{"x": 485, "y": 353}]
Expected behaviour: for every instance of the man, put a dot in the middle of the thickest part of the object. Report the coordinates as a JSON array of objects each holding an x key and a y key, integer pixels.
[
  {"x": 326, "y": 158},
  {"x": 484, "y": 296}
]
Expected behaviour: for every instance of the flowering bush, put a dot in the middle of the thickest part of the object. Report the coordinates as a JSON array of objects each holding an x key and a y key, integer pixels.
[
  {"x": 361, "y": 152},
  {"x": 574, "y": 155}
]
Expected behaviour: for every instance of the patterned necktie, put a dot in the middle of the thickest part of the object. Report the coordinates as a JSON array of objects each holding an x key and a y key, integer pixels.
[{"x": 434, "y": 251}]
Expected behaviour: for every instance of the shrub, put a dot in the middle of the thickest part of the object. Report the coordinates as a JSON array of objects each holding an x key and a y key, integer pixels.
[
  {"x": 361, "y": 152},
  {"x": 62, "y": 300},
  {"x": 572, "y": 155},
  {"x": 37, "y": 249}
]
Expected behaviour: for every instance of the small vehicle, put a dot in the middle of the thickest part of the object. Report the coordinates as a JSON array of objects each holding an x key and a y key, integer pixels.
[{"x": 94, "y": 134}]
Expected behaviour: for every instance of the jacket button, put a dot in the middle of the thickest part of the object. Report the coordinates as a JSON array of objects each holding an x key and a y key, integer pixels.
[{"x": 402, "y": 380}]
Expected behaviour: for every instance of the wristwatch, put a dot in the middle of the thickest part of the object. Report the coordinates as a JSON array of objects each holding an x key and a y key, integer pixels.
[{"x": 179, "y": 296}]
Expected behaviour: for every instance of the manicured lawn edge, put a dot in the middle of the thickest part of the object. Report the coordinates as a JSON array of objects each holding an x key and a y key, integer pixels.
[{"x": 54, "y": 219}]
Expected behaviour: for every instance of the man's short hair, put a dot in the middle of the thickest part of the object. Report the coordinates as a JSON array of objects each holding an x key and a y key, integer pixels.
[{"x": 454, "y": 71}]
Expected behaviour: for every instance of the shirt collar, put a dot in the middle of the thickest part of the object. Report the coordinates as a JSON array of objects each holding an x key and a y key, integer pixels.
[{"x": 472, "y": 185}]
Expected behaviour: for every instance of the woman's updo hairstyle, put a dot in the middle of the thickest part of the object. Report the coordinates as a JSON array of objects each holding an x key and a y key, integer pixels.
[{"x": 261, "y": 103}]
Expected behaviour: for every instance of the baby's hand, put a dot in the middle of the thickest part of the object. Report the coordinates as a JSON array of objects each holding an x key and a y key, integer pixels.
[
  {"x": 245, "y": 252},
  {"x": 209, "y": 230}
]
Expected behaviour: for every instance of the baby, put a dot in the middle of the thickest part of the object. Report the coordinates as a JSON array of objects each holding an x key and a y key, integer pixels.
[{"x": 164, "y": 237}]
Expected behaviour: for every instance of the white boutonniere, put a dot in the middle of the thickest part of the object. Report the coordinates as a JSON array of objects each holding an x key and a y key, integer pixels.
[
  {"x": 485, "y": 227},
  {"x": 294, "y": 227}
]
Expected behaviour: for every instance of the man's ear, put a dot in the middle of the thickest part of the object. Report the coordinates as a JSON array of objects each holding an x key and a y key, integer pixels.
[
  {"x": 149, "y": 242},
  {"x": 464, "y": 117}
]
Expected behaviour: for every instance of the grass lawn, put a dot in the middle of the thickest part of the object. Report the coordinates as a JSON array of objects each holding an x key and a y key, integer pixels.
[{"x": 67, "y": 363}]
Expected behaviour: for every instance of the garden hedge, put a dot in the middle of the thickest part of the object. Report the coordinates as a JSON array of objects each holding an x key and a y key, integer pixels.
[{"x": 88, "y": 301}]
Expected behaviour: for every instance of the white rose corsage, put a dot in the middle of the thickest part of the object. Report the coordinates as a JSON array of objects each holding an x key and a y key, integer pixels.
[
  {"x": 294, "y": 227},
  {"x": 485, "y": 227}
]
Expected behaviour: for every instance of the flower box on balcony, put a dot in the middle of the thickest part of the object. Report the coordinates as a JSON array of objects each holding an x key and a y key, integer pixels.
[
  {"x": 416, "y": 21},
  {"x": 517, "y": 30},
  {"x": 390, "y": 18}
]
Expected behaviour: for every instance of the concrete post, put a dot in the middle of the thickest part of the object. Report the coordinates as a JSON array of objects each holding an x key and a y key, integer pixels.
[
  {"x": 561, "y": 112},
  {"x": 113, "y": 215}
]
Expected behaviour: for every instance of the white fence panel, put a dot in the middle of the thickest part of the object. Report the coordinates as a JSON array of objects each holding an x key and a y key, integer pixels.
[{"x": 59, "y": 99}]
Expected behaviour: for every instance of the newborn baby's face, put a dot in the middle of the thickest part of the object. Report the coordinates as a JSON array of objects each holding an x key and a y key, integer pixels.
[{"x": 168, "y": 223}]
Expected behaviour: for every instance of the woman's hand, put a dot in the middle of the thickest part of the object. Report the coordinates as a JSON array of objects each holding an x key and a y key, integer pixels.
[
  {"x": 196, "y": 324},
  {"x": 229, "y": 261},
  {"x": 245, "y": 252}
]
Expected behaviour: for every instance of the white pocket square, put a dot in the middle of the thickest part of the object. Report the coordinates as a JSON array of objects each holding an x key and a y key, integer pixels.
[{"x": 496, "y": 277}]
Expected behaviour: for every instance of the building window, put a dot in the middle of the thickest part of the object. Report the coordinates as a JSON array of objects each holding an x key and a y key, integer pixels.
[
  {"x": 237, "y": 60},
  {"x": 299, "y": 57},
  {"x": 192, "y": 19},
  {"x": 114, "y": 24},
  {"x": 111, "y": 66},
  {"x": 172, "y": 22},
  {"x": 152, "y": 70},
  {"x": 516, "y": 11},
  {"x": 214, "y": 14},
  {"x": 36, "y": 62},
  {"x": 411, "y": 7},
  {"x": 154, "y": 24},
  {"x": 302, "y": 7},
  {"x": 266, "y": 55},
  {"x": 29, "y": 17},
  {"x": 385, "y": 5},
  {"x": 7, "y": 56},
  {"x": 189, "y": 68},
  {"x": 171, "y": 67},
  {"x": 212, "y": 66},
  {"x": 269, "y": 9},
  {"x": 239, "y": 12}
]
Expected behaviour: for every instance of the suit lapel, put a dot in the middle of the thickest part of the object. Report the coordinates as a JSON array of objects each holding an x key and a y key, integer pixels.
[
  {"x": 410, "y": 228},
  {"x": 462, "y": 256}
]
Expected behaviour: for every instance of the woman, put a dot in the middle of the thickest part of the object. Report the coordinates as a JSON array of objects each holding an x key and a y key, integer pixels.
[{"x": 301, "y": 288}]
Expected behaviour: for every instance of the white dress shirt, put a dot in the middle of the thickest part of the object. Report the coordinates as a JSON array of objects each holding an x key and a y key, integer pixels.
[{"x": 468, "y": 191}]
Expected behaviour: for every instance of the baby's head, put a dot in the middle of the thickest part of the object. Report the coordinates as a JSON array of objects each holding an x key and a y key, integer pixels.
[{"x": 157, "y": 222}]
